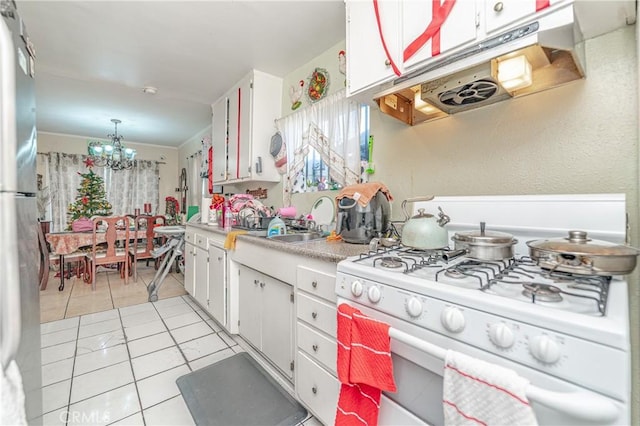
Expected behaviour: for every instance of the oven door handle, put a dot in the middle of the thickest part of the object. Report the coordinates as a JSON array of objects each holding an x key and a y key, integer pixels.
[{"x": 580, "y": 405}]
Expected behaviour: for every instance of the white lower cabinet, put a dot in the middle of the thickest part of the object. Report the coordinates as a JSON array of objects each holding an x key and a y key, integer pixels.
[
  {"x": 196, "y": 266},
  {"x": 205, "y": 275},
  {"x": 217, "y": 283},
  {"x": 316, "y": 384},
  {"x": 317, "y": 388},
  {"x": 201, "y": 279},
  {"x": 266, "y": 316}
]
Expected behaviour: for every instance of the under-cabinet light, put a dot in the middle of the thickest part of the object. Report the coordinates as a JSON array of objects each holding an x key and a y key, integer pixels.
[{"x": 515, "y": 73}]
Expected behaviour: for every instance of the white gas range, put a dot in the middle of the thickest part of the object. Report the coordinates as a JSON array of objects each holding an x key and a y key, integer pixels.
[{"x": 569, "y": 335}]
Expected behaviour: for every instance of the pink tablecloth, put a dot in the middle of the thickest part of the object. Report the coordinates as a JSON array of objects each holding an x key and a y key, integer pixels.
[{"x": 68, "y": 242}]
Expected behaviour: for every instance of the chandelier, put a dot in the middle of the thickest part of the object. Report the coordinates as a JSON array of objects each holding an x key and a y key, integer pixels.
[{"x": 112, "y": 154}]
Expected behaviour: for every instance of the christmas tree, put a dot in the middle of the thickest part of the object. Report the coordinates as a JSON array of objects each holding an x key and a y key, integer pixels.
[{"x": 90, "y": 200}]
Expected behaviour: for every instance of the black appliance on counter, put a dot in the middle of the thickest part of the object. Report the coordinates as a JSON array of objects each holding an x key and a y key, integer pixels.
[{"x": 358, "y": 224}]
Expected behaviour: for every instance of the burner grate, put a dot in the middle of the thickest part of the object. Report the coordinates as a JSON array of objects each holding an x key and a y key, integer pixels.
[{"x": 583, "y": 287}]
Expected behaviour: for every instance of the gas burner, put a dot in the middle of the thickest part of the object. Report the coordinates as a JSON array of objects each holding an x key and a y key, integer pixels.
[
  {"x": 542, "y": 292},
  {"x": 425, "y": 253},
  {"x": 391, "y": 262},
  {"x": 454, "y": 273}
]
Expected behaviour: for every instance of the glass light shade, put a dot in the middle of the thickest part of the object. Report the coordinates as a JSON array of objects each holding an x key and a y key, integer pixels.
[
  {"x": 515, "y": 73},
  {"x": 112, "y": 154}
]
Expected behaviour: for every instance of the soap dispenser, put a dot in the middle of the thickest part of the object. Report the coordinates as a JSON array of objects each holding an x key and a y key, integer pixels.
[{"x": 276, "y": 227}]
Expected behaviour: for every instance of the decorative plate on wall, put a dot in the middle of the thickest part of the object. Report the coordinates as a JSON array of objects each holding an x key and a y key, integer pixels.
[{"x": 318, "y": 84}]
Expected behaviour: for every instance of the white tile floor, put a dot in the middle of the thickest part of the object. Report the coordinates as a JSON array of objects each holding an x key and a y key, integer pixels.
[{"x": 120, "y": 366}]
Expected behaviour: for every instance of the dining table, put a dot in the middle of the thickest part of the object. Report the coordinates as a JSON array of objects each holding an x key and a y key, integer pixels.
[{"x": 68, "y": 242}]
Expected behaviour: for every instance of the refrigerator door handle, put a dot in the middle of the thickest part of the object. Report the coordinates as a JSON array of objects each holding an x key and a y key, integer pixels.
[
  {"x": 11, "y": 315},
  {"x": 8, "y": 126}
]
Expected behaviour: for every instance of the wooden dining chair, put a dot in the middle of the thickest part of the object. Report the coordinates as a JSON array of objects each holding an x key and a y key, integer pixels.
[
  {"x": 109, "y": 252},
  {"x": 48, "y": 258},
  {"x": 142, "y": 247}
]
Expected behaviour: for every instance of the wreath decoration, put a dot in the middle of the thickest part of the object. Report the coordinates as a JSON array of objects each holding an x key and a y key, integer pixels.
[{"x": 318, "y": 86}]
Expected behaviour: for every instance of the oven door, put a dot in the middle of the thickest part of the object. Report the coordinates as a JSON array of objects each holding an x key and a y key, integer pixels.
[{"x": 418, "y": 366}]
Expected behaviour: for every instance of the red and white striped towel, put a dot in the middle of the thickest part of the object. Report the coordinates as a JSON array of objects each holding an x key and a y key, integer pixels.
[
  {"x": 476, "y": 392},
  {"x": 364, "y": 366}
]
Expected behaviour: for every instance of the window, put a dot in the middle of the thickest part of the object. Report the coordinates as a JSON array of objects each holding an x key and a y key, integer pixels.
[
  {"x": 316, "y": 171},
  {"x": 326, "y": 144}
]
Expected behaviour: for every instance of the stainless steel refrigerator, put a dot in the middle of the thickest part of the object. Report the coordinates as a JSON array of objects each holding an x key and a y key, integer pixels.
[{"x": 20, "y": 294}]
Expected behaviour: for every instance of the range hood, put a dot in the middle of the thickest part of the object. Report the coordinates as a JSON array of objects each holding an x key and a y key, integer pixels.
[{"x": 539, "y": 55}]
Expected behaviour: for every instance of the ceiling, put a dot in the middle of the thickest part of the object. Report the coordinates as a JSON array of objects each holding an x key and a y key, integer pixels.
[{"x": 93, "y": 59}]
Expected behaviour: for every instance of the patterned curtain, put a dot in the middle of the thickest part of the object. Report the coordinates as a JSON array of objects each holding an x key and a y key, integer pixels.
[
  {"x": 64, "y": 180},
  {"x": 332, "y": 127},
  {"x": 126, "y": 190}
]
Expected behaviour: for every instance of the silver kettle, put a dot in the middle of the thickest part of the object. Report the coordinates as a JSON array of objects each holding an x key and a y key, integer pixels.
[{"x": 424, "y": 231}]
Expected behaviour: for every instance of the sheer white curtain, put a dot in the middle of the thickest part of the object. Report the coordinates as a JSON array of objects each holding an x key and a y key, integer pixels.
[
  {"x": 332, "y": 127},
  {"x": 126, "y": 190},
  {"x": 194, "y": 181}
]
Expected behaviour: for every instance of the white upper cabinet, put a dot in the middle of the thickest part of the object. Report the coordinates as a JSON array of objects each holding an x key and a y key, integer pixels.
[
  {"x": 219, "y": 138},
  {"x": 243, "y": 123},
  {"x": 368, "y": 62},
  {"x": 430, "y": 30},
  {"x": 419, "y": 32},
  {"x": 501, "y": 13}
]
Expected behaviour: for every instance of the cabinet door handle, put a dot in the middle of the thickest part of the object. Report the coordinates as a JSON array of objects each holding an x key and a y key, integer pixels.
[
  {"x": 387, "y": 62},
  {"x": 498, "y": 7},
  {"x": 262, "y": 285},
  {"x": 314, "y": 284},
  {"x": 315, "y": 348},
  {"x": 314, "y": 390},
  {"x": 255, "y": 282},
  {"x": 219, "y": 258},
  {"x": 314, "y": 315}
]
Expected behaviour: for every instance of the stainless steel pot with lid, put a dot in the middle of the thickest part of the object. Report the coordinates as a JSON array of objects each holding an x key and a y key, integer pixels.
[
  {"x": 485, "y": 245},
  {"x": 579, "y": 254}
]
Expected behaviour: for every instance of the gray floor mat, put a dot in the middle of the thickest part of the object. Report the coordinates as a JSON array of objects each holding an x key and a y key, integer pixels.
[{"x": 236, "y": 391}]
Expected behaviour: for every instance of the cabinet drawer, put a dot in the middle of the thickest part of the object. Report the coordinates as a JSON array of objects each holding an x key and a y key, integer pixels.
[
  {"x": 190, "y": 237},
  {"x": 201, "y": 241},
  {"x": 320, "y": 347},
  {"x": 317, "y": 389},
  {"x": 316, "y": 282},
  {"x": 319, "y": 314}
]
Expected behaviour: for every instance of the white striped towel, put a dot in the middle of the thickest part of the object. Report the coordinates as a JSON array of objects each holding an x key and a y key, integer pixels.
[{"x": 476, "y": 392}]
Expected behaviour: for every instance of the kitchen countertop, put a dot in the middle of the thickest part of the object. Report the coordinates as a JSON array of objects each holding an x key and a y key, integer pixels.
[{"x": 320, "y": 249}]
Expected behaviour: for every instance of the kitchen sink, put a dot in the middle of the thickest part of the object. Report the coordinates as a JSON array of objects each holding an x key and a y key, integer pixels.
[{"x": 297, "y": 237}]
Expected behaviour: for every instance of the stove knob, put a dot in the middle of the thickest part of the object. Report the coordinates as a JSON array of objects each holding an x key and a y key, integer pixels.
[
  {"x": 357, "y": 288},
  {"x": 545, "y": 349},
  {"x": 452, "y": 319},
  {"x": 414, "y": 307},
  {"x": 501, "y": 335},
  {"x": 374, "y": 294}
]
